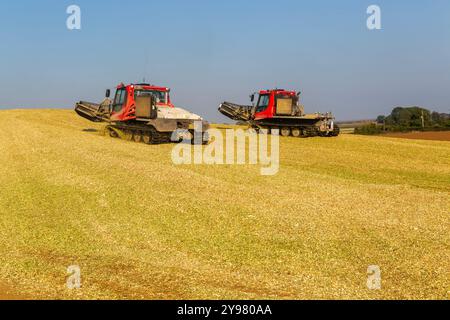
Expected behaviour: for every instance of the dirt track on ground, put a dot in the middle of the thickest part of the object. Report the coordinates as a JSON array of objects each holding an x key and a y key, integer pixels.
[{"x": 437, "y": 135}]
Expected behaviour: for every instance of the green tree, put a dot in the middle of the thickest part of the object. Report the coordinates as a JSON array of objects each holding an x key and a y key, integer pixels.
[
  {"x": 410, "y": 117},
  {"x": 381, "y": 119}
]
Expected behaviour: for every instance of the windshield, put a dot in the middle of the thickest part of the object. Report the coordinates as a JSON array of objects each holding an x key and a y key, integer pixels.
[
  {"x": 263, "y": 103},
  {"x": 160, "y": 96}
]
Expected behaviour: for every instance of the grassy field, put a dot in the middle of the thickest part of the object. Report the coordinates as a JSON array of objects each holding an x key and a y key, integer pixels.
[{"x": 140, "y": 227}]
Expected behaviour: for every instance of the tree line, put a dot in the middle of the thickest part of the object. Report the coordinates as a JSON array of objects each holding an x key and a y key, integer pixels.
[{"x": 403, "y": 119}]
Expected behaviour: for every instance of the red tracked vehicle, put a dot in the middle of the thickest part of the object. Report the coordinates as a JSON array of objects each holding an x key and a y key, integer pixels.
[
  {"x": 280, "y": 109},
  {"x": 141, "y": 112}
]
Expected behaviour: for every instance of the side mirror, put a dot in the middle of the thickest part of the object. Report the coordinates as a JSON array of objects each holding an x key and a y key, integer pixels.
[
  {"x": 108, "y": 93},
  {"x": 299, "y": 93},
  {"x": 252, "y": 97}
]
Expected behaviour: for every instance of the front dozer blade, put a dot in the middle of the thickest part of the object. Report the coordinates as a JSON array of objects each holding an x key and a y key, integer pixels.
[
  {"x": 236, "y": 112},
  {"x": 90, "y": 111}
]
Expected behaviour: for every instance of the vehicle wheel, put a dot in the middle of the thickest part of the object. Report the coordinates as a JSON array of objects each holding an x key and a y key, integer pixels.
[
  {"x": 137, "y": 136},
  {"x": 296, "y": 132},
  {"x": 128, "y": 135},
  {"x": 113, "y": 133},
  {"x": 147, "y": 138},
  {"x": 336, "y": 131},
  {"x": 304, "y": 133},
  {"x": 285, "y": 132}
]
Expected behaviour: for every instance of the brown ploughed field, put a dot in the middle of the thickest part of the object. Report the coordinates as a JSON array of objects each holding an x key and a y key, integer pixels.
[{"x": 432, "y": 135}]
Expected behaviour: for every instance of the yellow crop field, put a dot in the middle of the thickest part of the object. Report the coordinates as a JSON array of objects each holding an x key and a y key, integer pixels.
[{"x": 141, "y": 227}]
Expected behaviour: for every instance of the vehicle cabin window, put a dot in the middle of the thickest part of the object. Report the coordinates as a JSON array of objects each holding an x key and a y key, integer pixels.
[
  {"x": 291, "y": 99},
  {"x": 263, "y": 103},
  {"x": 160, "y": 96},
  {"x": 119, "y": 100}
]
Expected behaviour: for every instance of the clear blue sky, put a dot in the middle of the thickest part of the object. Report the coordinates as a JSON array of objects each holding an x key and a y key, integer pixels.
[{"x": 210, "y": 51}]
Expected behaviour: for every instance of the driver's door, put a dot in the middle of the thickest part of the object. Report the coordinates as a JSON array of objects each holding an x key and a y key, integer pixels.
[
  {"x": 119, "y": 100},
  {"x": 262, "y": 107}
]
